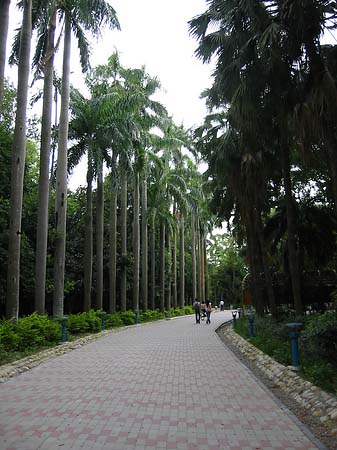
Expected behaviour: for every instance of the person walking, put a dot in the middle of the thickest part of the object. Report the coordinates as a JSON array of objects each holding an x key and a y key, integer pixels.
[
  {"x": 197, "y": 310},
  {"x": 222, "y": 305},
  {"x": 203, "y": 310},
  {"x": 208, "y": 311}
]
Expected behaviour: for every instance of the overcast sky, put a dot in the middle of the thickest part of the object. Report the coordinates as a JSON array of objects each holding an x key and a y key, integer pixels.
[{"x": 153, "y": 33}]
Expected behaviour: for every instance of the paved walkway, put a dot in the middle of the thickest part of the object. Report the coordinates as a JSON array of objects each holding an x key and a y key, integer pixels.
[{"x": 167, "y": 385}]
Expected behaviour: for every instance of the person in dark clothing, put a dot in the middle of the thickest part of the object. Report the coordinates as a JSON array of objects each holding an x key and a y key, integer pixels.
[
  {"x": 197, "y": 311},
  {"x": 208, "y": 311}
]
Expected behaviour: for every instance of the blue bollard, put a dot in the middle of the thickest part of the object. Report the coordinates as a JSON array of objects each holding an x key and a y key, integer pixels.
[
  {"x": 103, "y": 315},
  {"x": 136, "y": 316},
  {"x": 64, "y": 329},
  {"x": 251, "y": 317},
  {"x": 294, "y": 328},
  {"x": 234, "y": 318}
]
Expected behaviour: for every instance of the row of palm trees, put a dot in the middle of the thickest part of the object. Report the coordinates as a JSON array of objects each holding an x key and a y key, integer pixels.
[
  {"x": 121, "y": 128},
  {"x": 273, "y": 98}
]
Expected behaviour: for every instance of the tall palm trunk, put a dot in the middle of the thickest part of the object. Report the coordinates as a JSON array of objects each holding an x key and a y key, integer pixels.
[
  {"x": 43, "y": 201},
  {"x": 182, "y": 262},
  {"x": 169, "y": 275},
  {"x": 113, "y": 245},
  {"x": 193, "y": 256},
  {"x": 123, "y": 218},
  {"x": 136, "y": 243},
  {"x": 61, "y": 178},
  {"x": 267, "y": 274},
  {"x": 206, "y": 269},
  {"x": 88, "y": 240},
  {"x": 199, "y": 290},
  {"x": 162, "y": 266},
  {"x": 174, "y": 271},
  {"x": 144, "y": 240},
  {"x": 291, "y": 232},
  {"x": 202, "y": 267},
  {"x": 153, "y": 263},
  {"x": 4, "y": 19},
  {"x": 99, "y": 234},
  {"x": 18, "y": 167}
]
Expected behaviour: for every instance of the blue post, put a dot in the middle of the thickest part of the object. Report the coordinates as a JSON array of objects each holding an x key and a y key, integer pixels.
[
  {"x": 234, "y": 318},
  {"x": 251, "y": 327},
  {"x": 64, "y": 329},
  {"x": 294, "y": 349},
  {"x": 103, "y": 314},
  {"x": 136, "y": 316},
  {"x": 294, "y": 333}
]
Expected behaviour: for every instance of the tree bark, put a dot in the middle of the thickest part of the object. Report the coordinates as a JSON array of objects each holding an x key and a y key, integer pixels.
[
  {"x": 123, "y": 218},
  {"x": 193, "y": 256},
  {"x": 169, "y": 275},
  {"x": 182, "y": 262},
  {"x": 162, "y": 266},
  {"x": 61, "y": 178},
  {"x": 43, "y": 201},
  {"x": 113, "y": 246},
  {"x": 144, "y": 240},
  {"x": 18, "y": 167},
  {"x": 136, "y": 243},
  {"x": 291, "y": 232},
  {"x": 153, "y": 263},
  {"x": 88, "y": 240},
  {"x": 4, "y": 19},
  {"x": 99, "y": 234},
  {"x": 174, "y": 271}
]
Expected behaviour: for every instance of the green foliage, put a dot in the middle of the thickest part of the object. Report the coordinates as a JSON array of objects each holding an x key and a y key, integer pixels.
[
  {"x": 319, "y": 337},
  {"x": 151, "y": 315},
  {"x": 30, "y": 332},
  {"x": 317, "y": 345},
  {"x": 113, "y": 320},
  {"x": 127, "y": 317},
  {"x": 84, "y": 322},
  {"x": 188, "y": 309}
]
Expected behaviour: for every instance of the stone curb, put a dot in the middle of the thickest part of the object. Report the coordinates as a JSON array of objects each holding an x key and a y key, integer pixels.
[{"x": 306, "y": 394}]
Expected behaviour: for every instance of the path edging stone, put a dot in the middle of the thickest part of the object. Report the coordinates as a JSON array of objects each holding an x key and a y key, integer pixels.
[{"x": 321, "y": 404}]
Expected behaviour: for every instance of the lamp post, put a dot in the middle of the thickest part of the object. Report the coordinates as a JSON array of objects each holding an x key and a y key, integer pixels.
[
  {"x": 294, "y": 329},
  {"x": 234, "y": 313},
  {"x": 251, "y": 317}
]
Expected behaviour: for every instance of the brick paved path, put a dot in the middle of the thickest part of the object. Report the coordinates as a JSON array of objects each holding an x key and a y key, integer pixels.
[{"x": 167, "y": 385}]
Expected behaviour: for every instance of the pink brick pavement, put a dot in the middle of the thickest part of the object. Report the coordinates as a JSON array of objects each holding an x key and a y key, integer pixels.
[{"x": 166, "y": 385}]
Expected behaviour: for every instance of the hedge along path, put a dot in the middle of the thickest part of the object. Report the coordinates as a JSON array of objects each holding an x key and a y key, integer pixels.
[{"x": 15, "y": 368}]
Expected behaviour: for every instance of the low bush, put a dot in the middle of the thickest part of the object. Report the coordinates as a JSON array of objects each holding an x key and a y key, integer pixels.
[
  {"x": 317, "y": 345},
  {"x": 113, "y": 320}
]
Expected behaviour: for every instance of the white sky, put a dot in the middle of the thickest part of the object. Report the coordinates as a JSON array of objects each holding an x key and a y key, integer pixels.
[{"x": 153, "y": 33}]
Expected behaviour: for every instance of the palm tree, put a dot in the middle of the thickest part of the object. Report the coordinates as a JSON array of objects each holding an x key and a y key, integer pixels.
[
  {"x": 18, "y": 166},
  {"x": 43, "y": 202},
  {"x": 92, "y": 16},
  {"x": 4, "y": 19}
]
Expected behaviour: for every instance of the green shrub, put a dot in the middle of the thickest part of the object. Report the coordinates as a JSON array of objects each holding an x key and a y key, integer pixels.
[
  {"x": 318, "y": 339},
  {"x": 9, "y": 340},
  {"x": 127, "y": 317},
  {"x": 189, "y": 309},
  {"x": 113, "y": 320},
  {"x": 77, "y": 323}
]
